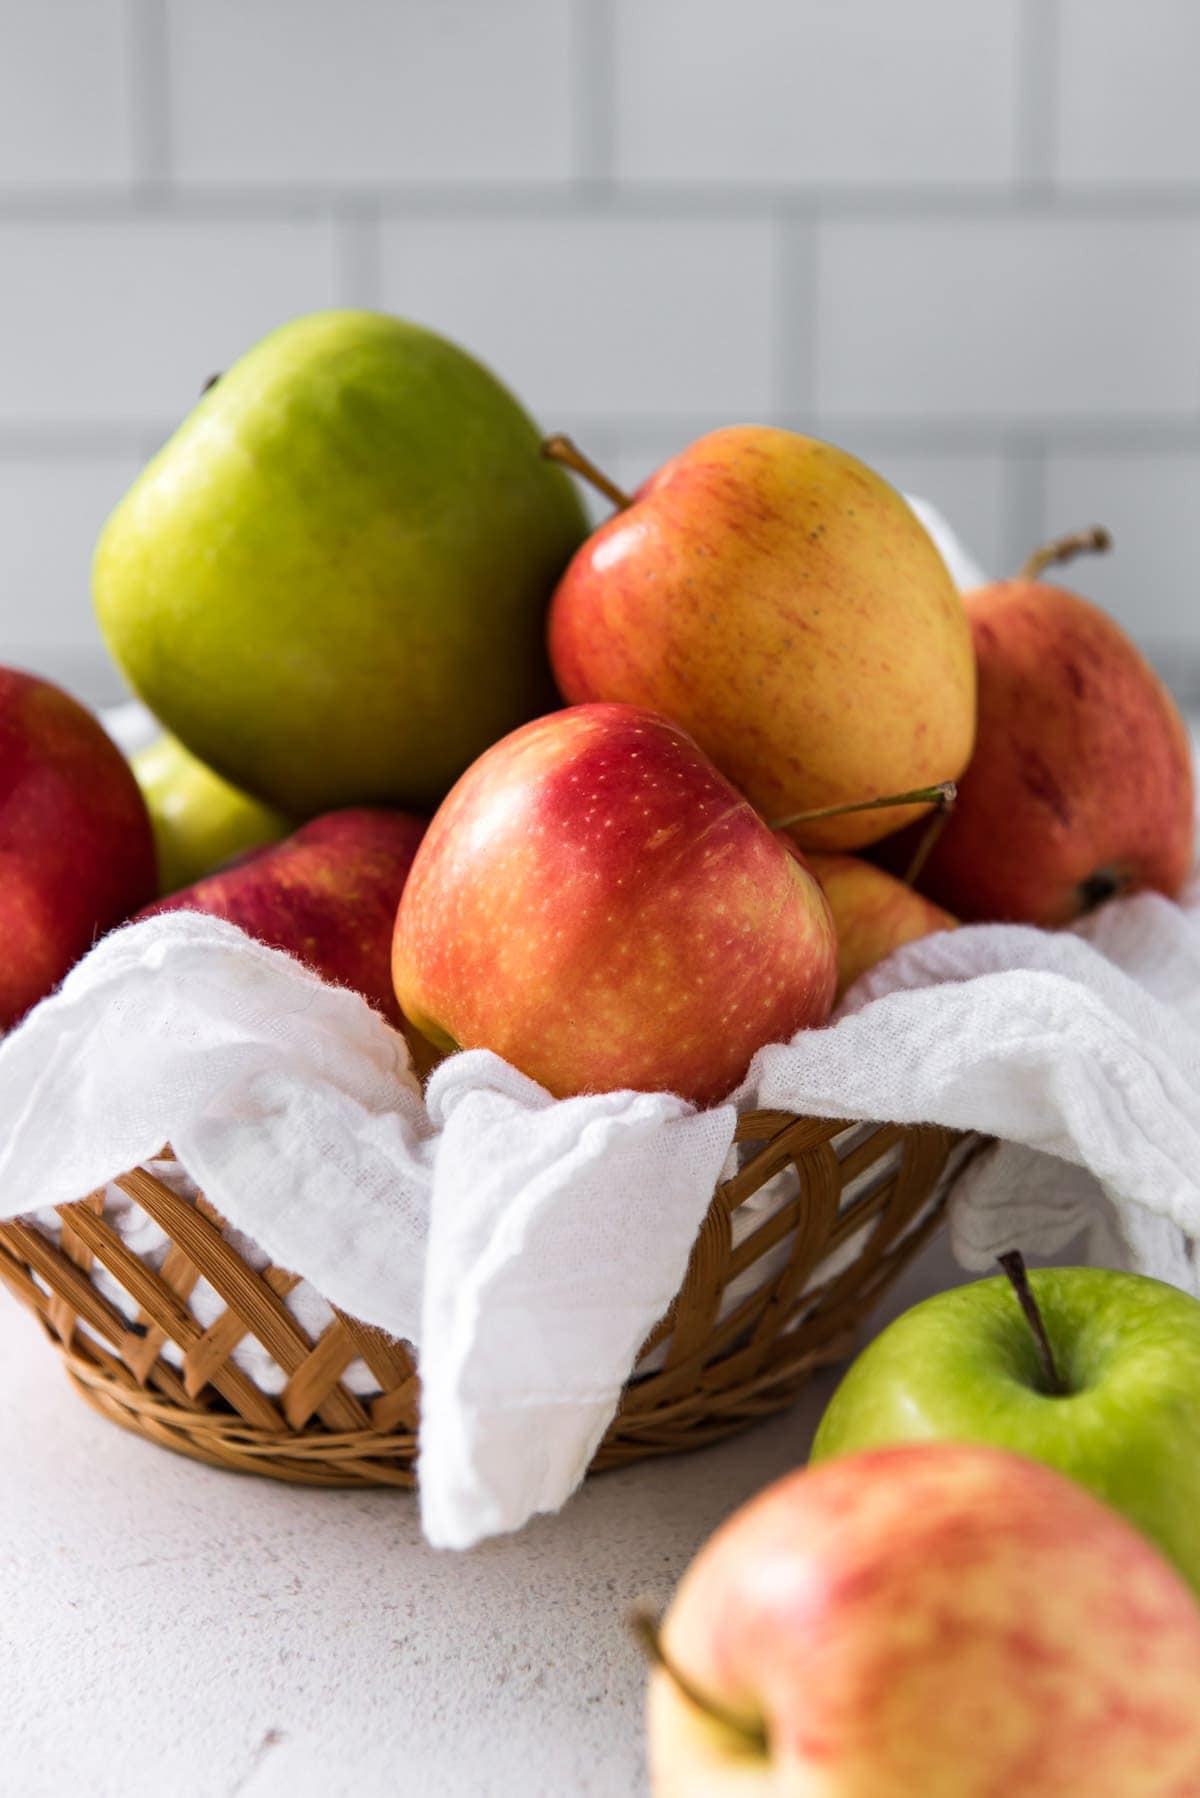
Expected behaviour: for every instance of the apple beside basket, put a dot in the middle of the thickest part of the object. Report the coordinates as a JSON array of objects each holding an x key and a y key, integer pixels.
[{"x": 769, "y": 1296}]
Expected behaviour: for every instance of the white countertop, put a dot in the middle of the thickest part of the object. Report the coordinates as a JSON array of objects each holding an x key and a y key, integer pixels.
[{"x": 168, "y": 1628}]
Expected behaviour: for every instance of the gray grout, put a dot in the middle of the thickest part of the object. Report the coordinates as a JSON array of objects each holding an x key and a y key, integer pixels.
[
  {"x": 1023, "y": 517},
  {"x": 150, "y": 120},
  {"x": 794, "y": 298},
  {"x": 358, "y": 250},
  {"x": 593, "y": 98},
  {"x": 1037, "y": 95}
]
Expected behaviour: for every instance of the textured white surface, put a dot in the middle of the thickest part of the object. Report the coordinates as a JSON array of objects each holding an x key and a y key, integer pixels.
[{"x": 168, "y": 1628}]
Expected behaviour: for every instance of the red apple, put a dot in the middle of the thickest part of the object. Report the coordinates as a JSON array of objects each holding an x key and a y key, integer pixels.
[
  {"x": 873, "y": 913},
  {"x": 1081, "y": 783},
  {"x": 76, "y": 848},
  {"x": 782, "y": 603},
  {"x": 595, "y": 902},
  {"x": 930, "y": 1621},
  {"x": 327, "y": 895}
]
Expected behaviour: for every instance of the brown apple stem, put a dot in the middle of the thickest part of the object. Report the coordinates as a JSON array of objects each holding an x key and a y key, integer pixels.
[
  {"x": 211, "y": 382},
  {"x": 942, "y": 794},
  {"x": 644, "y": 1626},
  {"x": 928, "y": 839},
  {"x": 561, "y": 449},
  {"x": 1013, "y": 1264},
  {"x": 1093, "y": 541}
]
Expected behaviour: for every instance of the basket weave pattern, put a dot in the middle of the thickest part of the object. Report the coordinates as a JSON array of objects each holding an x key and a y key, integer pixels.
[{"x": 757, "y": 1313}]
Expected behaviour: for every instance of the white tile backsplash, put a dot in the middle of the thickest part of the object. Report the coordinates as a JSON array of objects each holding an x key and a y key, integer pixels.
[
  {"x": 369, "y": 91},
  {"x": 830, "y": 92},
  {"x": 121, "y": 322},
  {"x": 66, "y": 101},
  {"x": 962, "y": 238},
  {"x": 1015, "y": 319},
  {"x": 1127, "y": 106},
  {"x": 599, "y": 318}
]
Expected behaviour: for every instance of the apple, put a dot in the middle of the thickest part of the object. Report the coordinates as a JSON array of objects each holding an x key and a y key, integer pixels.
[
  {"x": 873, "y": 913},
  {"x": 76, "y": 848},
  {"x": 936, "y": 1620},
  {"x": 327, "y": 895},
  {"x": 595, "y": 903},
  {"x": 1081, "y": 783},
  {"x": 331, "y": 584},
  {"x": 782, "y": 603},
  {"x": 1117, "y": 1406},
  {"x": 200, "y": 821}
]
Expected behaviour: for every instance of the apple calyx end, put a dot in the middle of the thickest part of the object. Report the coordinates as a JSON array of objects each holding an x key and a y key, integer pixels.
[
  {"x": 1013, "y": 1263},
  {"x": 644, "y": 1626},
  {"x": 1094, "y": 540},
  {"x": 942, "y": 794},
  {"x": 563, "y": 450}
]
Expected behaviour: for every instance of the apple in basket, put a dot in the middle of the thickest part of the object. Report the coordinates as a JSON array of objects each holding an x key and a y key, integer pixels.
[
  {"x": 1081, "y": 783},
  {"x": 873, "y": 913},
  {"x": 76, "y": 849},
  {"x": 200, "y": 821},
  {"x": 1093, "y": 1371},
  {"x": 782, "y": 603},
  {"x": 594, "y": 902},
  {"x": 932, "y": 1621},
  {"x": 327, "y": 895}
]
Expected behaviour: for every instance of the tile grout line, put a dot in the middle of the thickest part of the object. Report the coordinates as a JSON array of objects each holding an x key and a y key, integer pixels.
[
  {"x": 592, "y": 53},
  {"x": 1038, "y": 38},
  {"x": 146, "y": 30}
]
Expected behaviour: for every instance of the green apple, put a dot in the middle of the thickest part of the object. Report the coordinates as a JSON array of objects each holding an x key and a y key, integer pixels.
[
  {"x": 200, "y": 821},
  {"x": 331, "y": 584},
  {"x": 965, "y": 1366}
]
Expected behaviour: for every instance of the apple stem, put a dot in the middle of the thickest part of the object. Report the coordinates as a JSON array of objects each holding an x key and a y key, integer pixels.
[
  {"x": 644, "y": 1626},
  {"x": 1013, "y": 1264},
  {"x": 211, "y": 382},
  {"x": 928, "y": 839},
  {"x": 943, "y": 794},
  {"x": 561, "y": 449},
  {"x": 1090, "y": 542}
]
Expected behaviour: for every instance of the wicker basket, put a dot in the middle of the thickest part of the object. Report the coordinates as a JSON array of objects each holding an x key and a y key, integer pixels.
[{"x": 795, "y": 1249}]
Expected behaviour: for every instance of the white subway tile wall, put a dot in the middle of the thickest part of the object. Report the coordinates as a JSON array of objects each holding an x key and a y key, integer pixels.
[{"x": 961, "y": 237}]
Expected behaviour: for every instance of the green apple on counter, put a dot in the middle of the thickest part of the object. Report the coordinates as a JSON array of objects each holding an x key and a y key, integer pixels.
[
  {"x": 331, "y": 584},
  {"x": 200, "y": 821},
  {"x": 1123, "y": 1350}
]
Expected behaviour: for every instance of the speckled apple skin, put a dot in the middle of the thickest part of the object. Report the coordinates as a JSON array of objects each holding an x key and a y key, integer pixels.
[
  {"x": 873, "y": 913},
  {"x": 780, "y": 601},
  {"x": 937, "y": 1619},
  {"x": 327, "y": 895},
  {"x": 76, "y": 848},
  {"x": 1082, "y": 764},
  {"x": 595, "y": 903}
]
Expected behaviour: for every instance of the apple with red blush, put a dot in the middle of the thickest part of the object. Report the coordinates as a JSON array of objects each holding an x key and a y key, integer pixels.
[
  {"x": 327, "y": 895},
  {"x": 940, "y": 1620},
  {"x": 597, "y": 904},
  {"x": 76, "y": 846},
  {"x": 1081, "y": 784}
]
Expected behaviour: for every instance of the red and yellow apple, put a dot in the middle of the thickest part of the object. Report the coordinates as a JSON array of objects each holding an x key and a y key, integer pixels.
[
  {"x": 76, "y": 849},
  {"x": 873, "y": 913},
  {"x": 327, "y": 895},
  {"x": 1081, "y": 784},
  {"x": 783, "y": 604},
  {"x": 594, "y": 902},
  {"x": 936, "y": 1620}
]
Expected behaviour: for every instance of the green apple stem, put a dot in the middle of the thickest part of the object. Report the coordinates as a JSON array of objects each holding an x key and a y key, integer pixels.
[
  {"x": 644, "y": 1625},
  {"x": 1090, "y": 542},
  {"x": 928, "y": 839},
  {"x": 1013, "y": 1264},
  {"x": 561, "y": 449},
  {"x": 942, "y": 794}
]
